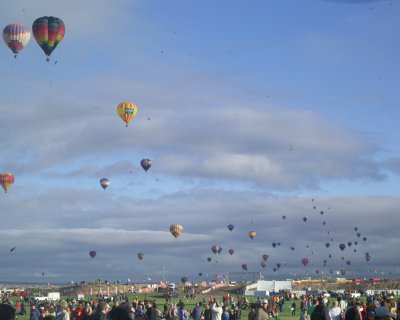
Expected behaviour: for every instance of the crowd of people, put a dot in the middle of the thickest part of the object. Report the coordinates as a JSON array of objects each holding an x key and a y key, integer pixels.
[{"x": 312, "y": 307}]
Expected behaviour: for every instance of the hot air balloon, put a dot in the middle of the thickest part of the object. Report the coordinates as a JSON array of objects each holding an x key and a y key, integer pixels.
[
  {"x": 355, "y": 250},
  {"x": 305, "y": 261},
  {"x": 355, "y": 229},
  {"x": 176, "y": 230},
  {"x": 364, "y": 239},
  {"x": 209, "y": 259},
  {"x": 342, "y": 272},
  {"x": 244, "y": 267},
  {"x": 231, "y": 251},
  {"x": 317, "y": 271},
  {"x": 263, "y": 264},
  {"x": 231, "y": 227},
  {"x": 305, "y": 219},
  {"x": 292, "y": 248},
  {"x": 327, "y": 244},
  {"x": 214, "y": 249},
  {"x": 349, "y": 244},
  {"x": 284, "y": 217},
  {"x": 92, "y": 254},
  {"x": 274, "y": 244},
  {"x": 127, "y": 111},
  {"x": 321, "y": 213},
  {"x": 104, "y": 183},
  {"x": 348, "y": 262},
  {"x": 6, "y": 181},
  {"x": 342, "y": 246},
  {"x": 252, "y": 234},
  {"x": 140, "y": 255},
  {"x": 324, "y": 223},
  {"x": 358, "y": 234},
  {"x": 279, "y": 244},
  {"x": 278, "y": 265},
  {"x": 184, "y": 279},
  {"x": 274, "y": 269},
  {"x": 48, "y": 32},
  {"x": 12, "y": 249},
  {"x": 219, "y": 250},
  {"x": 16, "y": 36},
  {"x": 342, "y": 258},
  {"x": 265, "y": 257},
  {"x": 200, "y": 274},
  {"x": 355, "y": 243},
  {"x": 146, "y": 164}
]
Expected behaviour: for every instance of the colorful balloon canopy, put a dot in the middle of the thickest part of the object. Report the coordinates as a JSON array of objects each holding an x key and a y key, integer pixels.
[
  {"x": 231, "y": 227},
  {"x": 48, "y": 32},
  {"x": 305, "y": 261},
  {"x": 92, "y": 254},
  {"x": 6, "y": 180},
  {"x": 146, "y": 164},
  {"x": 16, "y": 36},
  {"x": 127, "y": 111},
  {"x": 104, "y": 182},
  {"x": 252, "y": 234},
  {"x": 140, "y": 255},
  {"x": 176, "y": 230},
  {"x": 231, "y": 251},
  {"x": 244, "y": 267},
  {"x": 215, "y": 249}
]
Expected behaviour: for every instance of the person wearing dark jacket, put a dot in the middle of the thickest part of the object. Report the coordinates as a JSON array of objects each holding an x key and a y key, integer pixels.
[{"x": 321, "y": 311}]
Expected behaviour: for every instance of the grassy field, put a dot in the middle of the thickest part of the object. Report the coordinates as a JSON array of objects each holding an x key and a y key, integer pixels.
[{"x": 190, "y": 305}]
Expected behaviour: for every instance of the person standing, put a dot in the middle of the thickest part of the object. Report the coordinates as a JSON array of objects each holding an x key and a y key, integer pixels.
[
  {"x": 216, "y": 310},
  {"x": 261, "y": 313},
  {"x": 335, "y": 311},
  {"x": 320, "y": 311},
  {"x": 293, "y": 308}
]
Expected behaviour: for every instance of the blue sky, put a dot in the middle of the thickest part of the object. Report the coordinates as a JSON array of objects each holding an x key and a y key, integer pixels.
[{"x": 248, "y": 110}]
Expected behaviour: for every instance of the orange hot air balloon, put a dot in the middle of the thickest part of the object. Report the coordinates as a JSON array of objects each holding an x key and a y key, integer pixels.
[
  {"x": 127, "y": 111},
  {"x": 6, "y": 180},
  {"x": 252, "y": 234}
]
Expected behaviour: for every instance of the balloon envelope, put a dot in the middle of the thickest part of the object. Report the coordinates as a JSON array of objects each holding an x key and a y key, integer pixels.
[
  {"x": 92, "y": 254},
  {"x": 231, "y": 251},
  {"x": 265, "y": 257},
  {"x": 252, "y": 234},
  {"x": 176, "y": 230},
  {"x": 214, "y": 249},
  {"x": 140, "y": 255},
  {"x": 342, "y": 246},
  {"x": 305, "y": 261},
  {"x": 209, "y": 259},
  {"x": 6, "y": 180},
  {"x": 231, "y": 227},
  {"x": 104, "y": 183},
  {"x": 48, "y": 32},
  {"x": 127, "y": 111},
  {"x": 146, "y": 164},
  {"x": 16, "y": 36},
  {"x": 244, "y": 267}
]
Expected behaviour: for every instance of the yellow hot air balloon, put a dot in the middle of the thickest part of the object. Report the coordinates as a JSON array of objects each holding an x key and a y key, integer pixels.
[
  {"x": 127, "y": 111},
  {"x": 252, "y": 234}
]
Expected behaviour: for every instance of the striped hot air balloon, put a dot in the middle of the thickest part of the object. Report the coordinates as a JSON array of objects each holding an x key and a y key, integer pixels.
[
  {"x": 6, "y": 180},
  {"x": 176, "y": 230},
  {"x": 127, "y": 111},
  {"x": 48, "y": 32},
  {"x": 16, "y": 36}
]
